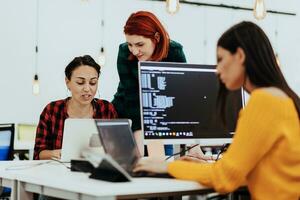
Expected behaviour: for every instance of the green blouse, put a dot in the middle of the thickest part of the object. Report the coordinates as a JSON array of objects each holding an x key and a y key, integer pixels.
[{"x": 126, "y": 100}]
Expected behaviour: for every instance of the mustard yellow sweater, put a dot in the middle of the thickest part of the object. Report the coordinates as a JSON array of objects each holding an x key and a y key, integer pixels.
[{"x": 264, "y": 154}]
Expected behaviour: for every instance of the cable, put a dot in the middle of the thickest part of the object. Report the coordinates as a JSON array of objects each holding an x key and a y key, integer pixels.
[
  {"x": 183, "y": 151},
  {"x": 222, "y": 150},
  {"x": 26, "y": 166},
  {"x": 61, "y": 162},
  {"x": 35, "y": 164}
]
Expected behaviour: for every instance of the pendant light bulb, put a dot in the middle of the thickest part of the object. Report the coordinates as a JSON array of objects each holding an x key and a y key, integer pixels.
[
  {"x": 35, "y": 85},
  {"x": 101, "y": 58},
  {"x": 172, "y": 6},
  {"x": 260, "y": 11}
]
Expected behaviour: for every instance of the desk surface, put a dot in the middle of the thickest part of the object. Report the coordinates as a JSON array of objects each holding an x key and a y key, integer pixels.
[{"x": 55, "y": 175}]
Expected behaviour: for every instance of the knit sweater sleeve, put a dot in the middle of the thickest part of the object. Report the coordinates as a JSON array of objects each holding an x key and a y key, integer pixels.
[
  {"x": 176, "y": 53},
  {"x": 127, "y": 82},
  {"x": 256, "y": 133}
]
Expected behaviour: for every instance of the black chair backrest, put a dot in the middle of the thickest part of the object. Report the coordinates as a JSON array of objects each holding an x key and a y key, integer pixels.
[{"x": 7, "y": 132}]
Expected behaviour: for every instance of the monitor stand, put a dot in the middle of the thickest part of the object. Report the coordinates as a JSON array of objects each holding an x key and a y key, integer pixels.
[{"x": 183, "y": 150}]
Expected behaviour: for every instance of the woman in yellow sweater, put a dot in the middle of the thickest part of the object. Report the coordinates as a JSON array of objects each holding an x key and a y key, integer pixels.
[{"x": 265, "y": 152}]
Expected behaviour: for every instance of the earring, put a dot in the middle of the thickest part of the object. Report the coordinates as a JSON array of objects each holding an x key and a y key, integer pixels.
[
  {"x": 157, "y": 36},
  {"x": 68, "y": 93}
]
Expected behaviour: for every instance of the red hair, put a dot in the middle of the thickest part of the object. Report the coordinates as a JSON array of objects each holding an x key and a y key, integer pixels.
[{"x": 146, "y": 24}]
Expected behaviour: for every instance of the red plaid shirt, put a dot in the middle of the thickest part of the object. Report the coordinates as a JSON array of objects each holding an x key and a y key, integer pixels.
[{"x": 49, "y": 133}]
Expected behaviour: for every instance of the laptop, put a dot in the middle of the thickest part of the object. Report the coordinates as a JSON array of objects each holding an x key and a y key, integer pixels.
[
  {"x": 118, "y": 141},
  {"x": 79, "y": 135}
]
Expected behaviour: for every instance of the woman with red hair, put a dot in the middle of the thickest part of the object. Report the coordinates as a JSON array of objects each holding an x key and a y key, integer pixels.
[{"x": 146, "y": 40}]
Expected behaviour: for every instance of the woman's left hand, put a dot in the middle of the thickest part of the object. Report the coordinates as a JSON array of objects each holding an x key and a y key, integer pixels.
[
  {"x": 193, "y": 159},
  {"x": 197, "y": 153},
  {"x": 151, "y": 165}
]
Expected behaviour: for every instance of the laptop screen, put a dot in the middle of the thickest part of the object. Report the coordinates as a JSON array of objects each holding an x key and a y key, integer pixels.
[{"x": 117, "y": 141}]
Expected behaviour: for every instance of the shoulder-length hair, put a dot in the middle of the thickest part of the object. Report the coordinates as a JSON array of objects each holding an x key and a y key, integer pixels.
[
  {"x": 260, "y": 62},
  {"x": 146, "y": 24}
]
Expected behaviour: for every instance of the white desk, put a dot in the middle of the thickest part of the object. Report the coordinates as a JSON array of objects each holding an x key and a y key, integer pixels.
[{"x": 54, "y": 179}]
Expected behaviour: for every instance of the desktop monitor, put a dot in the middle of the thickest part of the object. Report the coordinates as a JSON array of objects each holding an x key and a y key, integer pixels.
[
  {"x": 6, "y": 141},
  {"x": 178, "y": 104}
]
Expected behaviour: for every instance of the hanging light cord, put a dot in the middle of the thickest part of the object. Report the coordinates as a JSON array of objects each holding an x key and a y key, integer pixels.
[
  {"x": 229, "y": 7},
  {"x": 36, "y": 37}
]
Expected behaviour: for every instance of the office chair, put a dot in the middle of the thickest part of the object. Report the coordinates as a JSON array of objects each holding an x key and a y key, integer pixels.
[
  {"x": 241, "y": 193},
  {"x": 7, "y": 132}
]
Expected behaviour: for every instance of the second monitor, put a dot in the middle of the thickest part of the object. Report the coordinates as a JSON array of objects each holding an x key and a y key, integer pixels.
[{"x": 178, "y": 104}]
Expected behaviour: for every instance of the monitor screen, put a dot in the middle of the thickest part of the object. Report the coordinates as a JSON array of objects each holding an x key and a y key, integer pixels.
[
  {"x": 178, "y": 104},
  {"x": 6, "y": 141}
]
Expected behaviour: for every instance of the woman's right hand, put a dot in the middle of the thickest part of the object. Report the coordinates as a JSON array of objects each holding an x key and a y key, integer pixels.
[
  {"x": 49, "y": 154},
  {"x": 151, "y": 165},
  {"x": 56, "y": 153}
]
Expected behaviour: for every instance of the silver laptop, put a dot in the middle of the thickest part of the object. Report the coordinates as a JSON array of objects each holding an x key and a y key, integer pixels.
[{"x": 79, "y": 135}]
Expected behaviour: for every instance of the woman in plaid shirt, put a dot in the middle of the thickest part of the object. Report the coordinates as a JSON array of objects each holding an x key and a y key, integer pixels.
[{"x": 82, "y": 76}]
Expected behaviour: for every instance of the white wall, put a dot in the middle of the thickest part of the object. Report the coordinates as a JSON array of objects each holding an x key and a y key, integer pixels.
[{"x": 68, "y": 28}]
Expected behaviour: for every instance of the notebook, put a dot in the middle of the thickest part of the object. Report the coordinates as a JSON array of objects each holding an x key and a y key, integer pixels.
[
  {"x": 118, "y": 141},
  {"x": 79, "y": 135}
]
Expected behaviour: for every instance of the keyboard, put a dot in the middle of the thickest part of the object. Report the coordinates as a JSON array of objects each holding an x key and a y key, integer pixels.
[{"x": 150, "y": 174}]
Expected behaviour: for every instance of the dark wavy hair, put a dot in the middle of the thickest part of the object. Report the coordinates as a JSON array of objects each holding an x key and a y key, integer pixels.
[
  {"x": 260, "y": 62},
  {"x": 79, "y": 61}
]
